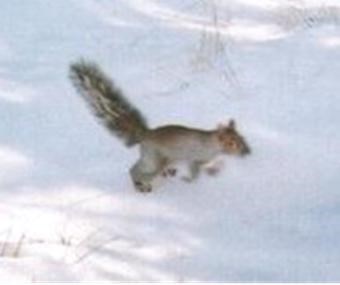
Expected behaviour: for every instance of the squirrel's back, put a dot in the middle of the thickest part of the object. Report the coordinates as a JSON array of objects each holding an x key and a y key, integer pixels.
[{"x": 171, "y": 133}]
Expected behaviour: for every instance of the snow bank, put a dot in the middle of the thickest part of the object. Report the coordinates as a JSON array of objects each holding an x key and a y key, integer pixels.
[{"x": 68, "y": 209}]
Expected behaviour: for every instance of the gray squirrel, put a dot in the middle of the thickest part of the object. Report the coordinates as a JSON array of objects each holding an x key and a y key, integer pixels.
[{"x": 159, "y": 147}]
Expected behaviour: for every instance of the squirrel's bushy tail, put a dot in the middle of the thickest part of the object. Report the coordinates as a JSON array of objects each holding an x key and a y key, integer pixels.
[{"x": 107, "y": 102}]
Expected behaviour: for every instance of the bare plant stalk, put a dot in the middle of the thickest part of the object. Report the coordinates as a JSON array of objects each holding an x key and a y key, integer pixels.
[
  {"x": 17, "y": 250},
  {"x": 5, "y": 243}
]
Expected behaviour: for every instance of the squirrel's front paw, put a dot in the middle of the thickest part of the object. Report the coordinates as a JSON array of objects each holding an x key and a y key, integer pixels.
[
  {"x": 213, "y": 171},
  {"x": 169, "y": 172}
]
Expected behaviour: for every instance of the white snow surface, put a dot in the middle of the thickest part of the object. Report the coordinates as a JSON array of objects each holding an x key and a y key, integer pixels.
[{"x": 68, "y": 210}]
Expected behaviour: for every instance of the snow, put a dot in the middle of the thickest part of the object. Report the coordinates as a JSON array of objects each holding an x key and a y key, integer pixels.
[{"x": 68, "y": 209}]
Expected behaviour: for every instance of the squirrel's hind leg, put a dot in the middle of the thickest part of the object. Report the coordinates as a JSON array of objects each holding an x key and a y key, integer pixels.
[
  {"x": 145, "y": 170},
  {"x": 141, "y": 177}
]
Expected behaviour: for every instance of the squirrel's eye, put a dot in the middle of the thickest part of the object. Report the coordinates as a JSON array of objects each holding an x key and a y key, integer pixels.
[{"x": 231, "y": 144}]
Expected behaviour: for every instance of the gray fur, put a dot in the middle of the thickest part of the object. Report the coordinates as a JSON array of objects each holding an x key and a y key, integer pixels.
[{"x": 107, "y": 102}]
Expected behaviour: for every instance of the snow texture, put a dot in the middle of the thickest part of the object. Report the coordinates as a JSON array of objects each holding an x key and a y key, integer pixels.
[{"x": 68, "y": 208}]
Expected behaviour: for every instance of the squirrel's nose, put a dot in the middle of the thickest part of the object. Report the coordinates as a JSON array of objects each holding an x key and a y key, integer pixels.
[{"x": 246, "y": 150}]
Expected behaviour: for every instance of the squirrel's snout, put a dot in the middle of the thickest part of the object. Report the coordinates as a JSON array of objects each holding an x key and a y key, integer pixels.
[{"x": 246, "y": 150}]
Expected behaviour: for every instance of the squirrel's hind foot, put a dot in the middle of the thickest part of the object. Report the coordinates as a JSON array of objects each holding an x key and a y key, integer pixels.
[{"x": 143, "y": 187}]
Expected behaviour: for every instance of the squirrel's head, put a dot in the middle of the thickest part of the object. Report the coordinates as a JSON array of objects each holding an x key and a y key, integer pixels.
[{"x": 230, "y": 140}]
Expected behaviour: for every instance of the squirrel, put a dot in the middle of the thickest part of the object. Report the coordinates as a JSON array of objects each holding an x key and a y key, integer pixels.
[{"x": 161, "y": 146}]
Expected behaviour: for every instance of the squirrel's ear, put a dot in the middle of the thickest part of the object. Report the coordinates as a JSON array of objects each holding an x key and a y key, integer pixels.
[
  {"x": 232, "y": 124},
  {"x": 221, "y": 126}
]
